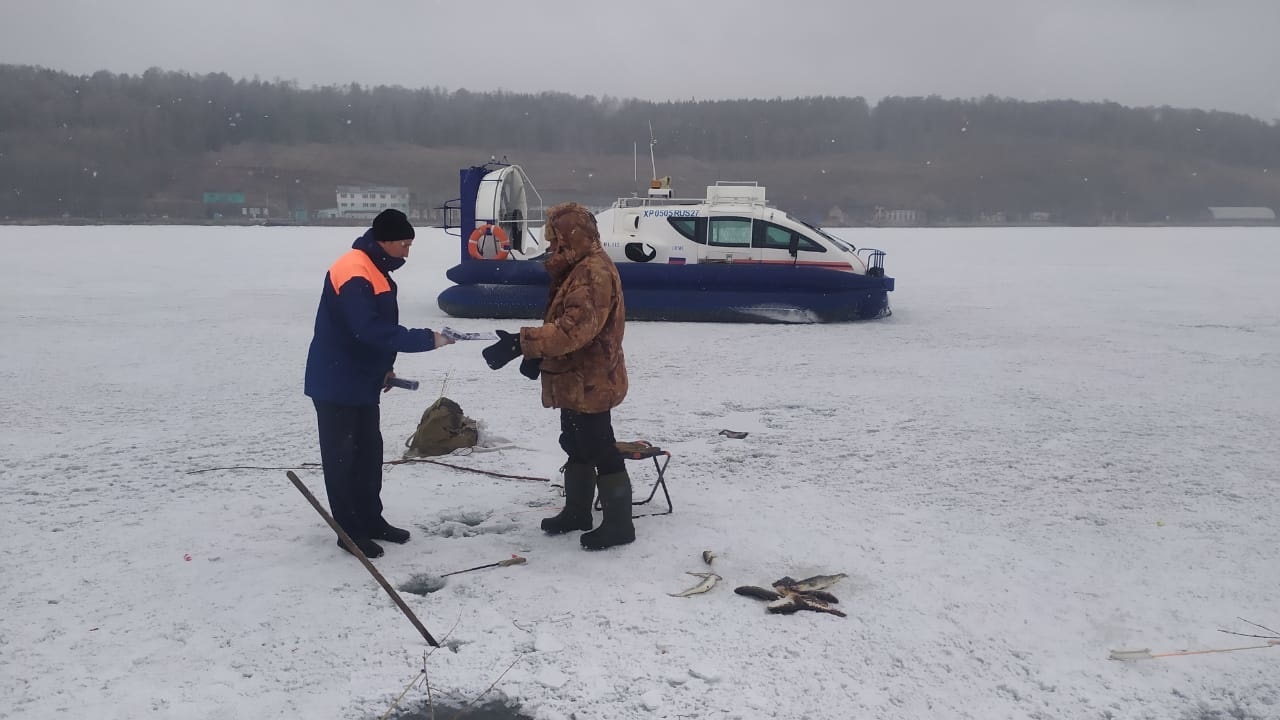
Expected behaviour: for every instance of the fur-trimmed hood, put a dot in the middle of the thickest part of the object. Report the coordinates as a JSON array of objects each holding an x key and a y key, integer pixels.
[{"x": 571, "y": 235}]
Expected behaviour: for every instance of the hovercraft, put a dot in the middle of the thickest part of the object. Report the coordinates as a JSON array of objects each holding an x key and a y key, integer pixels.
[{"x": 725, "y": 257}]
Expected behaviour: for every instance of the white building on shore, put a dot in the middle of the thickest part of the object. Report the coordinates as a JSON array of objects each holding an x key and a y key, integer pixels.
[{"x": 362, "y": 201}]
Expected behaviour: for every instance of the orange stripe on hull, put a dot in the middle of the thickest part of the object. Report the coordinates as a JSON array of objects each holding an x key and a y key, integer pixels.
[{"x": 832, "y": 265}]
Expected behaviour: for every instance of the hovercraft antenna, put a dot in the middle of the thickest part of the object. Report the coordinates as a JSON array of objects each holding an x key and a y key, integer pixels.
[{"x": 658, "y": 187}]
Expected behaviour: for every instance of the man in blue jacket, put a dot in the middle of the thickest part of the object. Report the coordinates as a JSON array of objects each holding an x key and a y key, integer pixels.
[{"x": 357, "y": 336}]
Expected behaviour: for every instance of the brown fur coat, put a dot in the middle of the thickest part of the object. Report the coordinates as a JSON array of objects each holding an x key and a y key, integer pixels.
[{"x": 580, "y": 340}]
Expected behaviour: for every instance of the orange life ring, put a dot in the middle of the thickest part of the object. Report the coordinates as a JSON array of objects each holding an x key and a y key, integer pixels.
[{"x": 504, "y": 245}]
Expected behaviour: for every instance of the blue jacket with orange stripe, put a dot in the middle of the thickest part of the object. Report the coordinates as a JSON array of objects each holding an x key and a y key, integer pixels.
[{"x": 358, "y": 331}]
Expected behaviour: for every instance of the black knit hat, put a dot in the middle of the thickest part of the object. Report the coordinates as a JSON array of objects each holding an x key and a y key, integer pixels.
[{"x": 391, "y": 225}]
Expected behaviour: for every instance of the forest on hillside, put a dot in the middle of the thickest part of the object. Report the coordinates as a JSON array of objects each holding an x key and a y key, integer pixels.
[{"x": 132, "y": 147}]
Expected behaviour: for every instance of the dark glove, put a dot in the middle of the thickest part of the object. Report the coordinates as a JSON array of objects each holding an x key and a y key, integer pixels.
[
  {"x": 531, "y": 367},
  {"x": 502, "y": 352}
]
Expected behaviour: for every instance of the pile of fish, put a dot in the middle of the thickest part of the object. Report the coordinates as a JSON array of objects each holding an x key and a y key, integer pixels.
[
  {"x": 787, "y": 596},
  {"x": 790, "y": 595}
]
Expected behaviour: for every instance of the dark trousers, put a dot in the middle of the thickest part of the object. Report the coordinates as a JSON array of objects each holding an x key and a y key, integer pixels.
[
  {"x": 351, "y": 452},
  {"x": 588, "y": 439}
]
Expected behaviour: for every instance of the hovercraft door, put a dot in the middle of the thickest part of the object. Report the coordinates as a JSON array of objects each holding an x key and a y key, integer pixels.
[{"x": 729, "y": 240}]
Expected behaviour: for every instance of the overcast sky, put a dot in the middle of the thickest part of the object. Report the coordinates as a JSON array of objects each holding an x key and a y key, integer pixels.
[{"x": 1211, "y": 54}]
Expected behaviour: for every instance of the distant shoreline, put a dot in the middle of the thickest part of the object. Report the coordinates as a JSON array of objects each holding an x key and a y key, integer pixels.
[{"x": 197, "y": 222}]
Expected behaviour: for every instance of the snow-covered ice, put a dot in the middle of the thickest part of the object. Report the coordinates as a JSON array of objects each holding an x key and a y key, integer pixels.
[{"x": 1064, "y": 441}]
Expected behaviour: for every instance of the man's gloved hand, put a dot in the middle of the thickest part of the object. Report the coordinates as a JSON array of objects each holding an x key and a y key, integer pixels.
[
  {"x": 502, "y": 352},
  {"x": 531, "y": 367}
]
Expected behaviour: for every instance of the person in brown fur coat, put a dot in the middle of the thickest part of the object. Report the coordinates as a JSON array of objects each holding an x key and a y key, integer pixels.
[{"x": 577, "y": 351}]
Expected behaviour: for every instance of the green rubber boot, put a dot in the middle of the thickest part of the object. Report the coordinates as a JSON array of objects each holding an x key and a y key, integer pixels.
[
  {"x": 616, "y": 528},
  {"x": 579, "y": 491}
]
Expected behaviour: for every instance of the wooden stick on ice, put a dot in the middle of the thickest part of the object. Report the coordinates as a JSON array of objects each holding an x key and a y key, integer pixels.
[{"x": 351, "y": 547}]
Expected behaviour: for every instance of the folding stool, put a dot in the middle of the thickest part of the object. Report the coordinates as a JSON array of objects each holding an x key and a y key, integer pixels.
[{"x": 639, "y": 450}]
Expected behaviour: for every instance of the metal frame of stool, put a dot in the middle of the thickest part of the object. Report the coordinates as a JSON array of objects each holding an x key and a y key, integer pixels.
[{"x": 661, "y": 468}]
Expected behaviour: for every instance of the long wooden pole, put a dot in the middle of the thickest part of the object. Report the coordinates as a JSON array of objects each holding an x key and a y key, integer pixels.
[
  {"x": 1179, "y": 653},
  {"x": 351, "y": 547},
  {"x": 1146, "y": 654}
]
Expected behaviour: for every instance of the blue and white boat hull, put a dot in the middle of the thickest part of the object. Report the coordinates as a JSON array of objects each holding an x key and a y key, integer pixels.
[{"x": 679, "y": 293}]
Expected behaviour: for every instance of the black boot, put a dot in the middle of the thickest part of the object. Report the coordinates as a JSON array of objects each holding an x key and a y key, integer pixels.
[
  {"x": 370, "y": 548},
  {"x": 616, "y": 528},
  {"x": 579, "y": 491},
  {"x": 390, "y": 533}
]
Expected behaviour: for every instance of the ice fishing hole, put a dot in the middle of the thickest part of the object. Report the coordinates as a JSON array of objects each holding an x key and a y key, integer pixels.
[
  {"x": 493, "y": 710},
  {"x": 422, "y": 584}
]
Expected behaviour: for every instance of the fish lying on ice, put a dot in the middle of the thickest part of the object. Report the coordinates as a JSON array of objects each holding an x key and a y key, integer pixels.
[
  {"x": 709, "y": 580},
  {"x": 795, "y": 602},
  {"x": 809, "y": 584},
  {"x": 758, "y": 593}
]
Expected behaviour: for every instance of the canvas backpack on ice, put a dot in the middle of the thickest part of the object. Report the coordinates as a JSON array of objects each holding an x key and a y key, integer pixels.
[{"x": 442, "y": 429}]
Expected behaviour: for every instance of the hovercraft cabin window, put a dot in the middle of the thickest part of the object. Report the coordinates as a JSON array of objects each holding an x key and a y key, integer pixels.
[
  {"x": 694, "y": 229},
  {"x": 776, "y": 237},
  {"x": 730, "y": 232}
]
